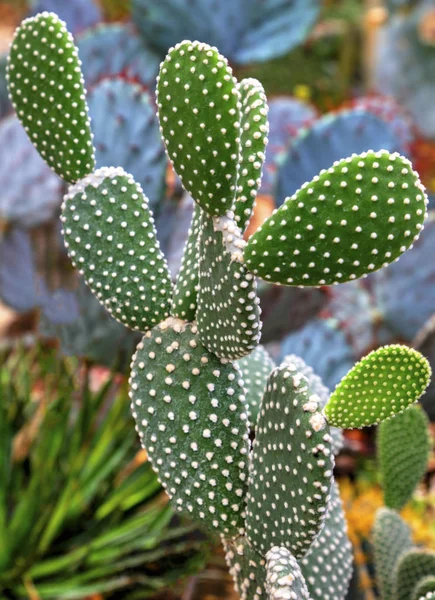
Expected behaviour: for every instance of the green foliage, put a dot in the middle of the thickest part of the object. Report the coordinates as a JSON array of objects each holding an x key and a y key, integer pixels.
[
  {"x": 255, "y": 368},
  {"x": 391, "y": 538},
  {"x": 412, "y": 567},
  {"x": 247, "y": 568},
  {"x": 284, "y": 578},
  {"x": 44, "y": 66},
  {"x": 352, "y": 219},
  {"x": 425, "y": 589},
  {"x": 403, "y": 450},
  {"x": 77, "y": 507},
  {"x": 383, "y": 384}
]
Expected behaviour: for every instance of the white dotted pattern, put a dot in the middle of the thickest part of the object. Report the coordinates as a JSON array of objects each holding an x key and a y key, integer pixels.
[
  {"x": 256, "y": 368},
  {"x": 284, "y": 580},
  {"x": 247, "y": 568}
]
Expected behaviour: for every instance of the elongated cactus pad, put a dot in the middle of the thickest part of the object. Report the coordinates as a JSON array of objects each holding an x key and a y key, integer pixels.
[
  {"x": 403, "y": 450},
  {"x": 254, "y": 130},
  {"x": 425, "y": 589},
  {"x": 383, "y": 384},
  {"x": 352, "y": 219},
  {"x": 228, "y": 307},
  {"x": 190, "y": 415},
  {"x": 327, "y": 567},
  {"x": 124, "y": 267},
  {"x": 185, "y": 297},
  {"x": 411, "y": 568},
  {"x": 48, "y": 94},
  {"x": 391, "y": 538},
  {"x": 291, "y": 466},
  {"x": 199, "y": 113},
  {"x": 255, "y": 368},
  {"x": 284, "y": 580},
  {"x": 247, "y": 568}
]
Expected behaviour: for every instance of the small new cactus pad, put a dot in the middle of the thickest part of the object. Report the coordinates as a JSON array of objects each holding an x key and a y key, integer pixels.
[
  {"x": 247, "y": 568},
  {"x": 189, "y": 409},
  {"x": 284, "y": 580},
  {"x": 350, "y": 220},
  {"x": 291, "y": 466},
  {"x": 403, "y": 450},
  {"x": 184, "y": 301},
  {"x": 124, "y": 267},
  {"x": 391, "y": 538},
  {"x": 425, "y": 589},
  {"x": 317, "y": 387},
  {"x": 228, "y": 307},
  {"x": 48, "y": 94},
  {"x": 256, "y": 368},
  {"x": 327, "y": 567},
  {"x": 254, "y": 130},
  {"x": 411, "y": 568},
  {"x": 199, "y": 113},
  {"x": 381, "y": 385}
]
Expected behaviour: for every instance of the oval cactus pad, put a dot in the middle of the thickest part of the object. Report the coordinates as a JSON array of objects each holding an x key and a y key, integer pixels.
[{"x": 350, "y": 220}]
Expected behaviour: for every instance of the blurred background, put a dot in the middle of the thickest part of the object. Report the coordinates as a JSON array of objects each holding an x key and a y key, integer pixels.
[{"x": 81, "y": 513}]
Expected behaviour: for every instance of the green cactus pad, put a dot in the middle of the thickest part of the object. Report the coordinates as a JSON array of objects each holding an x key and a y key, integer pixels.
[
  {"x": 47, "y": 90},
  {"x": 247, "y": 568},
  {"x": 327, "y": 568},
  {"x": 255, "y": 368},
  {"x": 403, "y": 450},
  {"x": 228, "y": 307},
  {"x": 425, "y": 589},
  {"x": 391, "y": 538},
  {"x": 382, "y": 384},
  {"x": 291, "y": 466},
  {"x": 184, "y": 301},
  {"x": 352, "y": 219},
  {"x": 317, "y": 387},
  {"x": 284, "y": 579},
  {"x": 110, "y": 236},
  {"x": 254, "y": 131},
  {"x": 411, "y": 568},
  {"x": 199, "y": 113},
  {"x": 189, "y": 409}
]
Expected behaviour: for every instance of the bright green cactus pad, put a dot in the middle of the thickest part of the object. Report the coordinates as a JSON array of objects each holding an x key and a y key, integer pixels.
[
  {"x": 199, "y": 113},
  {"x": 284, "y": 579},
  {"x": 411, "y": 568},
  {"x": 190, "y": 414},
  {"x": 327, "y": 568},
  {"x": 382, "y": 384},
  {"x": 391, "y": 538},
  {"x": 47, "y": 90},
  {"x": 255, "y": 368},
  {"x": 184, "y": 301},
  {"x": 228, "y": 307},
  {"x": 352, "y": 219},
  {"x": 403, "y": 450},
  {"x": 254, "y": 131},
  {"x": 110, "y": 236},
  {"x": 291, "y": 466},
  {"x": 247, "y": 568},
  {"x": 425, "y": 589}
]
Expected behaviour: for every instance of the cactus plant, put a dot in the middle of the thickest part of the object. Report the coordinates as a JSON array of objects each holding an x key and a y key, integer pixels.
[
  {"x": 275, "y": 505},
  {"x": 425, "y": 588},
  {"x": 5, "y": 104},
  {"x": 413, "y": 566}
]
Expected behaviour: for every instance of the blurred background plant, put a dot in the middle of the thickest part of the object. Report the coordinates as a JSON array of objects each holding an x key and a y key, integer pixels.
[{"x": 342, "y": 76}]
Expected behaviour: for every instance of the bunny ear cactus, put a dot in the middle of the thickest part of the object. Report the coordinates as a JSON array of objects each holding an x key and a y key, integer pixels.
[
  {"x": 425, "y": 589},
  {"x": 256, "y": 368},
  {"x": 284, "y": 578},
  {"x": 412, "y": 567}
]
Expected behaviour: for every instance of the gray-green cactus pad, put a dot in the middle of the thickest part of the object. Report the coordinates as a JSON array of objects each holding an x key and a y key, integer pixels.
[
  {"x": 384, "y": 383},
  {"x": 110, "y": 236},
  {"x": 428, "y": 596},
  {"x": 254, "y": 131},
  {"x": 199, "y": 113},
  {"x": 391, "y": 538},
  {"x": 352, "y": 219},
  {"x": 247, "y": 568},
  {"x": 425, "y": 589},
  {"x": 228, "y": 307},
  {"x": 403, "y": 450},
  {"x": 190, "y": 414},
  {"x": 411, "y": 568},
  {"x": 317, "y": 387},
  {"x": 184, "y": 301},
  {"x": 327, "y": 567},
  {"x": 47, "y": 90},
  {"x": 256, "y": 368},
  {"x": 284, "y": 579},
  {"x": 291, "y": 466}
]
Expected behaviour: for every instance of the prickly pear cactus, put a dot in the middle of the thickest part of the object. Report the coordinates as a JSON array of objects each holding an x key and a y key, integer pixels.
[
  {"x": 425, "y": 589},
  {"x": 412, "y": 567},
  {"x": 256, "y": 368},
  {"x": 284, "y": 578}
]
